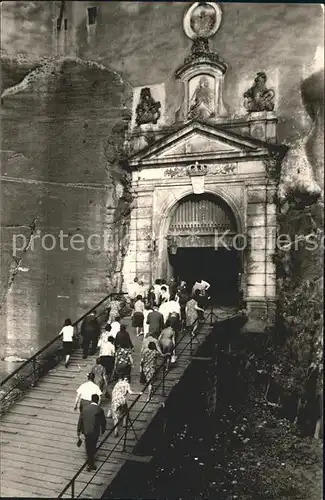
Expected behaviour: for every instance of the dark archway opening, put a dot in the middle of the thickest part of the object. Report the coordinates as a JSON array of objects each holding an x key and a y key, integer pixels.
[
  {"x": 194, "y": 252},
  {"x": 220, "y": 268}
]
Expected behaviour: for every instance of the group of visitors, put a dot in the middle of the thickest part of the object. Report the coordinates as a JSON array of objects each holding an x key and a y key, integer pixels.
[
  {"x": 158, "y": 314},
  {"x": 173, "y": 300}
]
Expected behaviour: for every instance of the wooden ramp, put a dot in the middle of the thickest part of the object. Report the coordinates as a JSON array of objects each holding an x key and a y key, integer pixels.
[{"x": 39, "y": 455}]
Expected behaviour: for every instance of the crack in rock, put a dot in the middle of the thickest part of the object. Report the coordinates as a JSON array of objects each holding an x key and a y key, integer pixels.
[{"x": 16, "y": 264}]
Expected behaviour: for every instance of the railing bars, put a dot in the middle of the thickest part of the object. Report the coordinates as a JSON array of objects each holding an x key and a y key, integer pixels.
[
  {"x": 33, "y": 359},
  {"x": 162, "y": 367}
]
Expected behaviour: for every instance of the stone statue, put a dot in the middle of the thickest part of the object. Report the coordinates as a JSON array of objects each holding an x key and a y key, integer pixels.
[
  {"x": 202, "y": 101},
  {"x": 147, "y": 110},
  {"x": 258, "y": 97}
]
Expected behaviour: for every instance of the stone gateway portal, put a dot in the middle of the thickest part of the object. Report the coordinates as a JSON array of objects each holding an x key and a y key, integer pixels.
[
  {"x": 201, "y": 179},
  {"x": 204, "y": 174}
]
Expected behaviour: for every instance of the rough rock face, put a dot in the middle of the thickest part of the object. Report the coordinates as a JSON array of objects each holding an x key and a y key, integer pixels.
[
  {"x": 303, "y": 168},
  {"x": 61, "y": 172},
  {"x": 300, "y": 266}
]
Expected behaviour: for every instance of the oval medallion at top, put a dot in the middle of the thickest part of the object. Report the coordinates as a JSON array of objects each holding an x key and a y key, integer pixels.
[{"x": 202, "y": 20}]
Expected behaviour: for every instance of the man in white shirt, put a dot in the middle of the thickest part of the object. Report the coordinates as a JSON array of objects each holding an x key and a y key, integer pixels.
[
  {"x": 133, "y": 290},
  {"x": 174, "y": 307},
  {"x": 202, "y": 286},
  {"x": 174, "y": 315},
  {"x": 67, "y": 338},
  {"x": 141, "y": 290},
  {"x": 115, "y": 327},
  {"x": 168, "y": 308},
  {"x": 156, "y": 287},
  {"x": 85, "y": 391}
]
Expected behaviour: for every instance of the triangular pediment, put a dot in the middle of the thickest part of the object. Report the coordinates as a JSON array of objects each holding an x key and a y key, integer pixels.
[
  {"x": 197, "y": 142},
  {"x": 198, "y": 139}
]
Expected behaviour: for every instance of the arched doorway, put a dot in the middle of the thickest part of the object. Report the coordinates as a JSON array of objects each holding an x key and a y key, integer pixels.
[{"x": 194, "y": 245}]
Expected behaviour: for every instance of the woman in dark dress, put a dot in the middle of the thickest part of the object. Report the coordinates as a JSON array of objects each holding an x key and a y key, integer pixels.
[
  {"x": 123, "y": 353},
  {"x": 151, "y": 299},
  {"x": 123, "y": 338},
  {"x": 149, "y": 364}
]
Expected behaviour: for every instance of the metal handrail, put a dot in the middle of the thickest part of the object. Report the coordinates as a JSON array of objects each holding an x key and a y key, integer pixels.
[
  {"x": 33, "y": 359},
  {"x": 161, "y": 367}
]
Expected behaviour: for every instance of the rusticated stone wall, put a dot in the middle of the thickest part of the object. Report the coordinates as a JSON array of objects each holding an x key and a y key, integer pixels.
[{"x": 62, "y": 129}]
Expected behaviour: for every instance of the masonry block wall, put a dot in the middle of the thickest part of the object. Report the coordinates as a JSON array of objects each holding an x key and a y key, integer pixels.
[
  {"x": 59, "y": 173},
  {"x": 260, "y": 265},
  {"x": 140, "y": 258}
]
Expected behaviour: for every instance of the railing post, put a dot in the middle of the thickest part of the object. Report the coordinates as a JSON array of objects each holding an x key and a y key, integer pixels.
[
  {"x": 191, "y": 343},
  {"x": 126, "y": 431},
  {"x": 163, "y": 380},
  {"x": 211, "y": 316},
  {"x": 72, "y": 489},
  {"x": 34, "y": 371}
]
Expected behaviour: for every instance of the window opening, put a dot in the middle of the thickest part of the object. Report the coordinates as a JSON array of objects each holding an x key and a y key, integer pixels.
[{"x": 92, "y": 14}]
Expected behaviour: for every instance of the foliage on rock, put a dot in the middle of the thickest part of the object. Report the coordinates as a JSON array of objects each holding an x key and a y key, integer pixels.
[{"x": 299, "y": 347}]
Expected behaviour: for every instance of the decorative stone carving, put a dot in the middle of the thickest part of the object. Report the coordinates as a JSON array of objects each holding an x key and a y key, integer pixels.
[
  {"x": 201, "y": 51},
  {"x": 148, "y": 110},
  {"x": 202, "y": 102},
  {"x": 202, "y": 20},
  {"x": 258, "y": 97},
  {"x": 228, "y": 168},
  {"x": 176, "y": 172},
  {"x": 197, "y": 169},
  {"x": 197, "y": 173},
  {"x": 203, "y": 70}
]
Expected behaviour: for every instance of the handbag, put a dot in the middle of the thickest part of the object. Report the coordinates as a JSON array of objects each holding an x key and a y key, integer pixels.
[
  {"x": 75, "y": 342},
  {"x": 142, "y": 375}
]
